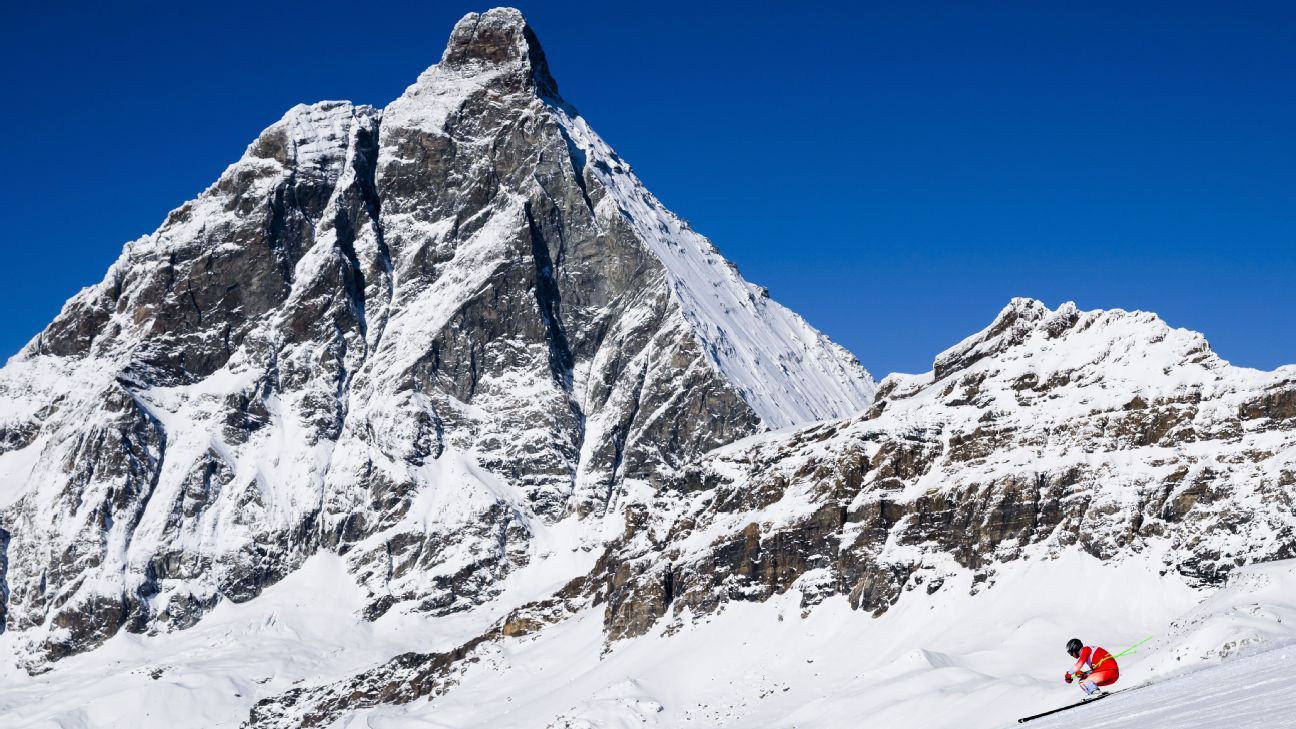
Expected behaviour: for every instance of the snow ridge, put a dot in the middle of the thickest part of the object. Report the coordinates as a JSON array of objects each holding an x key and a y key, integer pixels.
[{"x": 788, "y": 372}]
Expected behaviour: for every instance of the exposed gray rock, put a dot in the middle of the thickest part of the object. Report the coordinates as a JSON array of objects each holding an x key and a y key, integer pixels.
[
  {"x": 4, "y": 579},
  {"x": 1050, "y": 430}
]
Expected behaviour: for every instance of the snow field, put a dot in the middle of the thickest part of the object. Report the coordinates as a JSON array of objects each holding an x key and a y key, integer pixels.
[
  {"x": 941, "y": 660},
  {"x": 945, "y": 660}
]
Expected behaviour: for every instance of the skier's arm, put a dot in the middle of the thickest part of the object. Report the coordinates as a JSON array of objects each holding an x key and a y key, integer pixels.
[{"x": 1085, "y": 654}]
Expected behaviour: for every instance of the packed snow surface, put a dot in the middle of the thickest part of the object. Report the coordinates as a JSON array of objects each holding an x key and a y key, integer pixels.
[
  {"x": 951, "y": 659},
  {"x": 1250, "y": 693}
]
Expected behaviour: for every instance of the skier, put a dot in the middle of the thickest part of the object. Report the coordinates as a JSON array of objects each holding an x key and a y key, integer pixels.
[{"x": 1094, "y": 668}]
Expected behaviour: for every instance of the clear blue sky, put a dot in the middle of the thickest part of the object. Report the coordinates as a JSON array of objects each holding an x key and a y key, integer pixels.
[{"x": 895, "y": 172}]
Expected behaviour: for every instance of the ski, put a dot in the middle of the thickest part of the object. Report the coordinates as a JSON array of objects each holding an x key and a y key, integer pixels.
[
  {"x": 1025, "y": 719},
  {"x": 1105, "y": 694}
]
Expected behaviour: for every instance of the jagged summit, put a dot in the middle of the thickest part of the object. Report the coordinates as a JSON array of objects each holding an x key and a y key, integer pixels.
[
  {"x": 1102, "y": 356},
  {"x": 1024, "y": 318},
  {"x": 494, "y": 59},
  {"x": 498, "y": 40}
]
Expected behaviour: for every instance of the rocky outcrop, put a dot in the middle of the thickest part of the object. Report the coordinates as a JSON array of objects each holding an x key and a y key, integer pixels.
[
  {"x": 4, "y": 578},
  {"x": 408, "y": 335},
  {"x": 1106, "y": 431}
]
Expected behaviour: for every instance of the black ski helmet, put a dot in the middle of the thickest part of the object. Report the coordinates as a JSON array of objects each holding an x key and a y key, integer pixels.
[{"x": 1073, "y": 647}]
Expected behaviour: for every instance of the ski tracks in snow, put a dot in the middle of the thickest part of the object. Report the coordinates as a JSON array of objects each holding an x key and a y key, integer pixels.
[{"x": 1248, "y": 693}]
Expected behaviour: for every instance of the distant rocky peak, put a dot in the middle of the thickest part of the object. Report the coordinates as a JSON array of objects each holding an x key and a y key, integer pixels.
[
  {"x": 1026, "y": 323},
  {"x": 499, "y": 41},
  {"x": 1011, "y": 327}
]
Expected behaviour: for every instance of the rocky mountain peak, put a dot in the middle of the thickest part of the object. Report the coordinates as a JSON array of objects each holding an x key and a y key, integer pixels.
[
  {"x": 499, "y": 41},
  {"x": 1025, "y": 325},
  {"x": 1030, "y": 351},
  {"x": 419, "y": 337}
]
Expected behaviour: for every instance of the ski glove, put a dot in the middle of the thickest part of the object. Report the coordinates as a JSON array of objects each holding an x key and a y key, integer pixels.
[{"x": 1068, "y": 677}]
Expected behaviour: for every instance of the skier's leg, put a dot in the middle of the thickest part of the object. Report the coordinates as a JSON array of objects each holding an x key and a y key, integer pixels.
[
  {"x": 1104, "y": 677},
  {"x": 1090, "y": 685}
]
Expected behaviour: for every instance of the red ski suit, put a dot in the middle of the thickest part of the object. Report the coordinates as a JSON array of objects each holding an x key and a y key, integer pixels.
[{"x": 1098, "y": 664}]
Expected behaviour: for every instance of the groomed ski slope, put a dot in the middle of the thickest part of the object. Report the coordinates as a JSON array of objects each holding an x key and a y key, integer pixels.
[
  {"x": 1248, "y": 693},
  {"x": 950, "y": 659}
]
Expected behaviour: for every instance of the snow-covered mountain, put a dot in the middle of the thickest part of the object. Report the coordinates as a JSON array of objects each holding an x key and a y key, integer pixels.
[
  {"x": 407, "y": 335},
  {"x": 434, "y": 414}
]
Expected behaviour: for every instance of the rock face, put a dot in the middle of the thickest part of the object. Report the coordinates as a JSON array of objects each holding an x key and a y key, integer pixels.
[
  {"x": 408, "y": 335},
  {"x": 1104, "y": 429}
]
